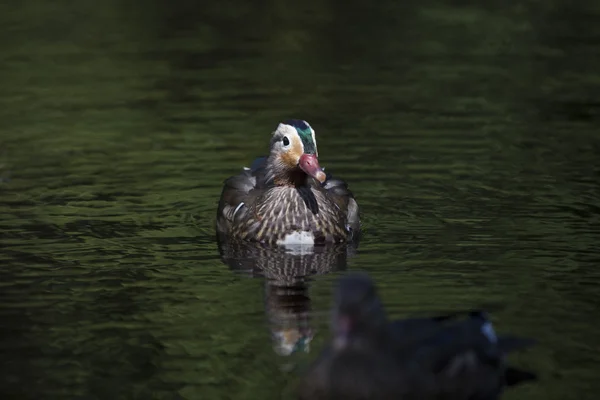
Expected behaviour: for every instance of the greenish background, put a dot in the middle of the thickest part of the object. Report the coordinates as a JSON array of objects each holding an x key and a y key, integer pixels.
[{"x": 469, "y": 135}]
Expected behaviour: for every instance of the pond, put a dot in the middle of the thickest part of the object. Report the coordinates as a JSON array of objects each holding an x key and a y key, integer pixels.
[{"x": 468, "y": 134}]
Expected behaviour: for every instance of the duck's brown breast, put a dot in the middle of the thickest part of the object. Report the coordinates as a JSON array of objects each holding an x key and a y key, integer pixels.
[{"x": 282, "y": 211}]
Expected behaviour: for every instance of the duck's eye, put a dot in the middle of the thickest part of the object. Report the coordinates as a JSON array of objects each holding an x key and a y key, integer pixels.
[{"x": 286, "y": 141}]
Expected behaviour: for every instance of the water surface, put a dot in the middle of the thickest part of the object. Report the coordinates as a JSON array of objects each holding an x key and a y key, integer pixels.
[{"x": 469, "y": 135}]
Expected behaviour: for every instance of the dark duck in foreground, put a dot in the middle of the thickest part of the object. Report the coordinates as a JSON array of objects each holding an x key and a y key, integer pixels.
[
  {"x": 286, "y": 198},
  {"x": 445, "y": 357}
]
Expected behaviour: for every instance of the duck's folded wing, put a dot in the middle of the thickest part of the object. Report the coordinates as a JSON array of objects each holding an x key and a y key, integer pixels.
[
  {"x": 237, "y": 196},
  {"x": 343, "y": 197},
  {"x": 233, "y": 196},
  {"x": 473, "y": 368},
  {"x": 469, "y": 355}
]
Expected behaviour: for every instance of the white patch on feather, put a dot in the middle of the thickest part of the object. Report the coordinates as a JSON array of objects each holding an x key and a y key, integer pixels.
[
  {"x": 298, "y": 242},
  {"x": 489, "y": 332},
  {"x": 237, "y": 209},
  {"x": 297, "y": 237}
]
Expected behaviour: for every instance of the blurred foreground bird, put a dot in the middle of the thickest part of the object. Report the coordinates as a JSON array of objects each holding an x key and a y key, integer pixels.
[{"x": 455, "y": 356}]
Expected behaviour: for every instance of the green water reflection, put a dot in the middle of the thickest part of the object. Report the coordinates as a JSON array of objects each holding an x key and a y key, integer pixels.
[{"x": 469, "y": 135}]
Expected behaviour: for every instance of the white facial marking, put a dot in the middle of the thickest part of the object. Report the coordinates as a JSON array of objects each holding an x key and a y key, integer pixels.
[{"x": 291, "y": 133}]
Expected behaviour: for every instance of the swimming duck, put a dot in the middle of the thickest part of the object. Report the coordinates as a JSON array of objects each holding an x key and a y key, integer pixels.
[
  {"x": 443, "y": 357},
  {"x": 286, "y": 197}
]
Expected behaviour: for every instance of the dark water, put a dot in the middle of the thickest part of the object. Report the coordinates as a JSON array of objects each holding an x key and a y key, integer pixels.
[{"x": 469, "y": 135}]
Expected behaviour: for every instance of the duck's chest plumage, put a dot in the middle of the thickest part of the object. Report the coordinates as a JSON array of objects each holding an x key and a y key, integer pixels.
[{"x": 287, "y": 214}]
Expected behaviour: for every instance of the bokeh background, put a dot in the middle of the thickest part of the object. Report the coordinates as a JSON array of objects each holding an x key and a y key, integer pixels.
[{"x": 468, "y": 133}]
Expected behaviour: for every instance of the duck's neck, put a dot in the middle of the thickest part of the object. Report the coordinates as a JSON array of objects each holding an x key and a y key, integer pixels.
[
  {"x": 293, "y": 178},
  {"x": 283, "y": 176}
]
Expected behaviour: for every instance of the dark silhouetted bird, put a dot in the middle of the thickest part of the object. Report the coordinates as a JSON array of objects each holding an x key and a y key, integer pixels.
[{"x": 456, "y": 356}]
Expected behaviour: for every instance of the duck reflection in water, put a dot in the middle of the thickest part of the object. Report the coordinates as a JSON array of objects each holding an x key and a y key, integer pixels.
[
  {"x": 456, "y": 356},
  {"x": 286, "y": 272},
  {"x": 288, "y": 311}
]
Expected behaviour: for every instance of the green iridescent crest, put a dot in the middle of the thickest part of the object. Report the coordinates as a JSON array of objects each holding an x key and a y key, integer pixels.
[{"x": 305, "y": 133}]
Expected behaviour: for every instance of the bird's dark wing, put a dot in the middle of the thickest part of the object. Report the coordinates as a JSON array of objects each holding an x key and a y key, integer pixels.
[
  {"x": 464, "y": 357},
  {"x": 339, "y": 192},
  {"x": 239, "y": 194}
]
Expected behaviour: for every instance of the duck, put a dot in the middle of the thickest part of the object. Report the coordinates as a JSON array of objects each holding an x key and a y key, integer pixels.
[
  {"x": 287, "y": 198},
  {"x": 455, "y": 356}
]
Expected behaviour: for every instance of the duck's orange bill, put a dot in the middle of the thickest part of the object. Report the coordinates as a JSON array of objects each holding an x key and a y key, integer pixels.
[{"x": 310, "y": 165}]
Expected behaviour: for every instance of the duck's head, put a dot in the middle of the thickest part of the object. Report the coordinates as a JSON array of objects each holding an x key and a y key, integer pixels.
[
  {"x": 357, "y": 308},
  {"x": 294, "y": 150}
]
